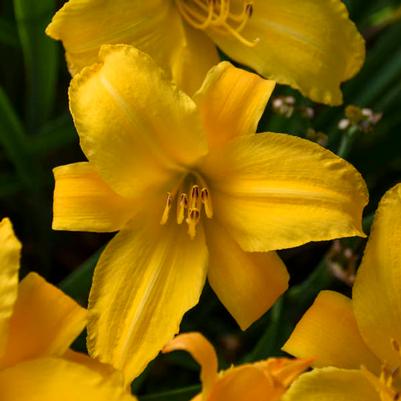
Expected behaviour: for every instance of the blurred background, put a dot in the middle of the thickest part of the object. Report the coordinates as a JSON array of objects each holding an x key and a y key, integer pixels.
[{"x": 37, "y": 134}]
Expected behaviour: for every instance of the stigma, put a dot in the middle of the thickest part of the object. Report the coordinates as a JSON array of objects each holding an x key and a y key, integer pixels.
[
  {"x": 189, "y": 206},
  {"x": 218, "y": 16}
]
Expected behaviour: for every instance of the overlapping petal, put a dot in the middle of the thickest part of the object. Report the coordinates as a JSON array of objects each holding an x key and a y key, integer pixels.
[
  {"x": 244, "y": 383},
  {"x": 49, "y": 379},
  {"x": 332, "y": 384},
  {"x": 203, "y": 352},
  {"x": 246, "y": 283},
  {"x": 274, "y": 191},
  {"x": 94, "y": 207},
  {"x": 329, "y": 333},
  {"x": 44, "y": 322},
  {"x": 146, "y": 279},
  {"x": 376, "y": 293},
  {"x": 231, "y": 102},
  {"x": 311, "y": 45},
  {"x": 154, "y": 26},
  {"x": 10, "y": 251},
  {"x": 133, "y": 122}
]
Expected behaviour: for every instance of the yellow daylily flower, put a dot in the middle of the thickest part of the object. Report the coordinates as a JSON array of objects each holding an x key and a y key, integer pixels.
[
  {"x": 344, "y": 335},
  {"x": 193, "y": 191},
  {"x": 311, "y": 45},
  {"x": 261, "y": 381},
  {"x": 37, "y": 325}
]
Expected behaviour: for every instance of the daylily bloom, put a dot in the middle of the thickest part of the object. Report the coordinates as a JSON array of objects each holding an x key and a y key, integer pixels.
[
  {"x": 261, "y": 381},
  {"x": 311, "y": 44},
  {"x": 193, "y": 191},
  {"x": 344, "y": 335},
  {"x": 37, "y": 325}
]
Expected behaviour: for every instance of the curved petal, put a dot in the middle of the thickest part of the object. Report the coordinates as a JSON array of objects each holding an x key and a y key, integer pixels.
[
  {"x": 231, "y": 102},
  {"x": 244, "y": 383},
  {"x": 202, "y": 351},
  {"x": 193, "y": 60},
  {"x": 153, "y": 26},
  {"x": 49, "y": 379},
  {"x": 328, "y": 332},
  {"x": 44, "y": 322},
  {"x": 376, "y": 293},
  {"x": 145, "y": 281},
  {"x": 135, "y": 126},
  {"x": 10, "y": 253},
  {"x": 82, "y": 201},
  {"x": 246, "y": 283},
  {"x": 311, "y": 45},
  {"x": 275, "y": 191},
  {"x": 331, "y": 384}
]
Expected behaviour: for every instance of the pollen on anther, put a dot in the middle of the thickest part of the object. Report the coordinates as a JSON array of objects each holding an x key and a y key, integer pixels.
[{"x": 167, "y": 208}]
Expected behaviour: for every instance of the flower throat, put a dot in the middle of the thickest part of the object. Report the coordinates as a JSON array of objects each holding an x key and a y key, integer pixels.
[
  {"x": 217, "y": 15},
  {"x": 191, "y": 196}
]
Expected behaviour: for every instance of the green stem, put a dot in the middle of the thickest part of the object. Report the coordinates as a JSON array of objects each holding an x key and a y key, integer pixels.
[{"x": 347, "y": 142}]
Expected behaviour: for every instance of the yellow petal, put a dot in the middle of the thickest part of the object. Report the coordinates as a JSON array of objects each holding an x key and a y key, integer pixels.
[
  {"x": 284, "y": 370},
  {"x": 44, "y": 322},
  {"x": 246, "y": 283},
  {"x": 93, "y": 364},
  {"x": 311, "y": 45},
  {"x": 135, "y": 126},
  {"x": 84, "y": 202},
  {"x": 376, "y": 293},
  {"x": 154, "y": 26},
  {"x": 10, "y": 251},
  {"x": 275, "y": 191},
  {"x": 192, "y": 60},
  {"x": 202, "y": 351},
  {"x": 50, "y": 379},
  {"x": 244, "y": 383},
  {"x": 328, "y": 332},
  {"x": 332, "y": 384},
  {"x": 231, "y": 102},
  {"x": 145, "y": 281}
]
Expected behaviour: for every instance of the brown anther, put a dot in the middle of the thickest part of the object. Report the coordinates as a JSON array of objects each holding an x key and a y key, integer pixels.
[{"x": 167, "y": 208}]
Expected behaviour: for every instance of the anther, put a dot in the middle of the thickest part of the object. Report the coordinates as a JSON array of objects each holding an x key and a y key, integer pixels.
[
  {"x": 205, "y": 196},
  {"x": 167, "y": 209},
  {"x": 192, "y": 221},
  {"x": 182, "y": 205}
]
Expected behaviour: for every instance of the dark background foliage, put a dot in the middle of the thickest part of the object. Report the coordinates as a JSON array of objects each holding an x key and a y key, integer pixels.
[{"x": 37, "y": 134}]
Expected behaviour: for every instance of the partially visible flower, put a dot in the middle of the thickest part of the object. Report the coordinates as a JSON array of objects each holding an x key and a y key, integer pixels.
[
  {"x": 344, "y": 335},
  {"x": 267, "y": 380},
  {"x": 284, "y": 105},
  {"x": 311, "y": 45},
  {"x": 317, "y": 136},
  {"x": 37, "y": 325},
  {"x": 361, "y": 119},
  {"x": 193, "y": 192}
]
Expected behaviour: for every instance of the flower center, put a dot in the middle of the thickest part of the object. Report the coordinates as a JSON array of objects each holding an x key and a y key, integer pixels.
[
  {"x": 191, "y": 197},
  {"x": 389, "y": 381},
  {"x": 219, "y": 16}
]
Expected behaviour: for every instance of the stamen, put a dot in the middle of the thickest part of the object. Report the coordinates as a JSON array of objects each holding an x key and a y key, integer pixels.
[
  {"x": 192, "y": 221},
  {"x": 217, "y": 15},
  {"x": 189, "y": 203},
  {"x": 182, "y": 205},
  {"x": 207, "y": 202},
  {"x": 167, "y": 209}
]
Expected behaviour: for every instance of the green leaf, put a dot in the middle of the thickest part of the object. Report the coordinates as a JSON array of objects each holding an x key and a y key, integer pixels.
[
  {"x": 40, "y": 57},
  {"x": 77, "y": 285},
  {"x": 14, "y": 141},
  {"x": 183, "y": 394},
  {"x": 8, "y": 33}
]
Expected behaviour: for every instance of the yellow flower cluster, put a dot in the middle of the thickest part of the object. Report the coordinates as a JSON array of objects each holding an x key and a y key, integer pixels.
[{"x": 175, "y": 167}]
